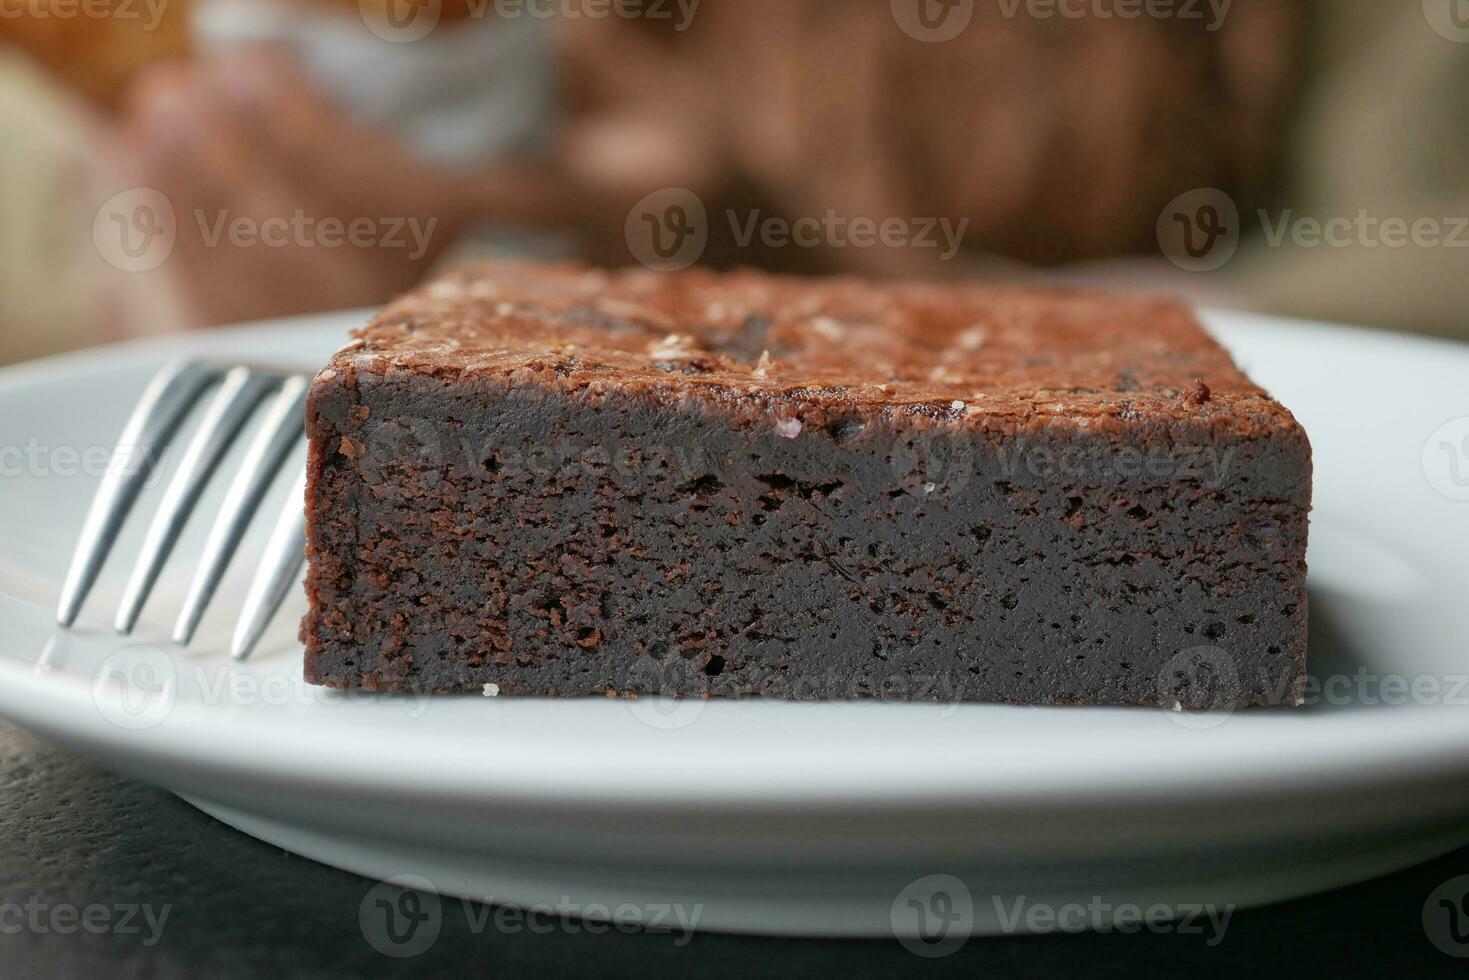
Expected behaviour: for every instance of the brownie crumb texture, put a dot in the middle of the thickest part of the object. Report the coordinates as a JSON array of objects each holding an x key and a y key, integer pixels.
[
  {"x": 559, "y": 481},
  {"x": 1197, "y": 393}
]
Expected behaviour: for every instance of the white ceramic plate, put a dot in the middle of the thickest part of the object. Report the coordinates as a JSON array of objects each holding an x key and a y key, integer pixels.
[{"x": 796, "y": 818}]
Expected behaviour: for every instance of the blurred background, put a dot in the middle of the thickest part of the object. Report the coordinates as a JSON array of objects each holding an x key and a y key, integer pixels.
[{"x": 176, "y": 164}]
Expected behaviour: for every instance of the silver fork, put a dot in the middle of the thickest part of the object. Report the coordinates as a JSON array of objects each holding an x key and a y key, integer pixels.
[{"x": 238, "y": 392}]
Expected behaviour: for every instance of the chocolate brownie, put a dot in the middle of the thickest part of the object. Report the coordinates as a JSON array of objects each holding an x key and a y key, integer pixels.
[{"x": 561, "y": 481}]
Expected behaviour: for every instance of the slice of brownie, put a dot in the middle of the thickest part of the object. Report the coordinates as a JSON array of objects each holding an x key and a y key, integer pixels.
[{"x": 561, "y": 481}]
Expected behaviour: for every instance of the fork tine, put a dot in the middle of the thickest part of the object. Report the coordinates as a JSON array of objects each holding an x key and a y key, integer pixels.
[
  {"x": 239, "y": 392},
  {"x": 278, "y": 433},
  {"x": 278, "y": 570},
  {"x": 149, "y": 429}
]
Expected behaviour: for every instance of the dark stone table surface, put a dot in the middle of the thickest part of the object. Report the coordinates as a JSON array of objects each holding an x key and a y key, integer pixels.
[{"x": 85, "y": 856}]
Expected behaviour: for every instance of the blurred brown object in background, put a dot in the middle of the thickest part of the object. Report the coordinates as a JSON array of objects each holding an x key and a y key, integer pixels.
[
  {"x": 401, "y": 9},
  {"x": 1059, "y": 138},
  {"x": 96, "y": 46}
]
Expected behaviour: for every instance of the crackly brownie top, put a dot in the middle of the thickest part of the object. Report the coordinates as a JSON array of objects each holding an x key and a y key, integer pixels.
[{"x": 771, "y": 344}]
